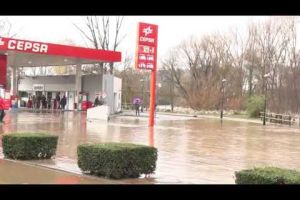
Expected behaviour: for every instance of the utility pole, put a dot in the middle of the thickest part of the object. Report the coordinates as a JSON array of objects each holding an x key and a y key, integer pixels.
[{"x": 223, "y": 95}]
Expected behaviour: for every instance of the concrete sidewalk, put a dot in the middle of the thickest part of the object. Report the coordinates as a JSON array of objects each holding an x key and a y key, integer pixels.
[{"x": 17, "y": 172}]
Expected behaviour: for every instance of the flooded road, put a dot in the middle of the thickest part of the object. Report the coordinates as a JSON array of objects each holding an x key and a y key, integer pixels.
[{"x": 190, "y": 150}]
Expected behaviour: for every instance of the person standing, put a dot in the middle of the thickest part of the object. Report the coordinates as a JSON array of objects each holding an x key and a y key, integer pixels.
[
  {"x": 2, "y": 108},
  {"x": 137, "y": 108},
  {"x": 49, "y": 101},
  {"x": 33, "y": 102},
  {"x": 63, "y": 102},
  {"x": 39, "y": 101},
  {"x": 44, "y": 102},
  {"x": 2, "y": 104},
  {"x": 97, "y": 101},
  {"x": 101, "y": 101},
  {"x": 57, "y": 101},
  {"x": 29, "y": 103}
]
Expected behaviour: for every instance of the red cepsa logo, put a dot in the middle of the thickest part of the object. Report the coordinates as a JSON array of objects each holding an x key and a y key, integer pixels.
[{"x": 147, "y": 34}]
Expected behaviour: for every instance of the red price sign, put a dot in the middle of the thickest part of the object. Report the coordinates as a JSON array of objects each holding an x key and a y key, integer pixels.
[{"x": 146, "y": 51}]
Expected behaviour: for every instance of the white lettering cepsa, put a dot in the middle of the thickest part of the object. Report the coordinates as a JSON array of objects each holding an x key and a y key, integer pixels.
[
  {"x": 24, "y": 46},
  {"x": 147, "y": 39}
]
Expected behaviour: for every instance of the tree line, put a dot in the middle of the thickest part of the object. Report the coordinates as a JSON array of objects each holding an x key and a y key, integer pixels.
[{"x": 195, "y": 68}]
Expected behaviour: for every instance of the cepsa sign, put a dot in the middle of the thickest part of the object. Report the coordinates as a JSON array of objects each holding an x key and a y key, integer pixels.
[
  {"x": 146, "y": 50},
  {"x": 11, "y": 44},
  {"x": 21, "y": 45}
]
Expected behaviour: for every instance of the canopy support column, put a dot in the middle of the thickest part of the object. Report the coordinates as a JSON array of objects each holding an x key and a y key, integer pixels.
[
  {"x": 78, "y": 85},
  {"x": 14, "y": 80}
]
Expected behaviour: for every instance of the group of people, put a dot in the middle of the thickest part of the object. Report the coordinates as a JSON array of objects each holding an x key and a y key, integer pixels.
[
  {"x": 43, "y": 102},
  {"x": 60, "y": 103}
]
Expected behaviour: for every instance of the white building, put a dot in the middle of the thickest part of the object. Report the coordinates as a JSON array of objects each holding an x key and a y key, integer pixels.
[{"x": 66, "y": 85}]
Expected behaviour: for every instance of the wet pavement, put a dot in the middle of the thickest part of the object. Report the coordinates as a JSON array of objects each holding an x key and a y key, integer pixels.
[
  {"x": 16, "y": 172},
  {"x": 190, "y": 150}
]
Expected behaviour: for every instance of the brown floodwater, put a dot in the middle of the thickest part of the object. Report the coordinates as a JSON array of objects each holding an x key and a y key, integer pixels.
[{"x": 190, "y": 150}]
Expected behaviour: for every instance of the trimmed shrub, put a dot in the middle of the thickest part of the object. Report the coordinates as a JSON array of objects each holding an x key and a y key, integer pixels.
[
  {"x": 255, "y": 105},
  {"x": 117, "y": 160},
  {"x": 267, "y": 175},
  {"x": 29, "y": 146}
]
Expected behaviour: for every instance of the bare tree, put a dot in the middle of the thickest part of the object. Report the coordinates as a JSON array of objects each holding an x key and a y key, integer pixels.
[
  {"x": 195, "y": 68},
  {"x": 198, "y": 65},
  {"x": 134, "y": 82},
  {"x": 98, "y": 31},
  {"x": 6, "y": 28}
]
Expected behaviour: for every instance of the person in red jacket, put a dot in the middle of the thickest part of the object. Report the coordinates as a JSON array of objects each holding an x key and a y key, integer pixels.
[
  {"x": 2, "y": 103},
  {"x": 2, "y": 108}
]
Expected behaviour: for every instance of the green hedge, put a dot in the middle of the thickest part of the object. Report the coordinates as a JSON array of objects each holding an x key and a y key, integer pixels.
[
  {"x": 29, "y": 146},
  {"x": 115, "y": 160},
  {"x": 267, "y": 175}
]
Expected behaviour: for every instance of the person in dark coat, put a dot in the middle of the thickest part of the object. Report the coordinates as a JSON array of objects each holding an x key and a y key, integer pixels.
[
  {"x": 34, "y": 102},
  {"x": 49, "y": 102},
  {"x": 63, "y": 102},
  {"x": 97, "y": 102},
  {"x": 44, "y": 102},
  {"x": 101, "y": 101},
  {"x": 39, "y": 101},
  {"x": 57, "y": 101},
  {"x": 137, "y": 107},
  {"x": 29, "y": 103}
]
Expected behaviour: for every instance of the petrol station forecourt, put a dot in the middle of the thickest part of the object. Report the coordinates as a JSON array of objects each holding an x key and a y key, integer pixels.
[{"x": 17, "y": 53}]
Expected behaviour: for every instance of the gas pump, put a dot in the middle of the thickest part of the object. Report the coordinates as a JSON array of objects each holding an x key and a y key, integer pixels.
[
  {"x": 2, "y": 92},
  {"x": 7, "y": 100},
  {"x": 83, "y": 98}
]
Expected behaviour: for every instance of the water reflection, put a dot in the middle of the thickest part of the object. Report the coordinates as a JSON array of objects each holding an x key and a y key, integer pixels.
[{"x": 151, "y": 136}]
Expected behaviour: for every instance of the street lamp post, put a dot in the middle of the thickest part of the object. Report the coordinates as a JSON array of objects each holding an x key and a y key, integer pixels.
[
  {"x": 223, "y": 95},
  {"x": 266, "y": 76},
  {"x": 156, "y": 100}
]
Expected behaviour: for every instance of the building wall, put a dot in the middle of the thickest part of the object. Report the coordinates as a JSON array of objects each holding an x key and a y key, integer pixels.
[
  {"x": 51, "y": 83},
  {"x": 108, "y": 86},
  {"x": 92, "y": 85},
  {"x": 118, "y": 93},
  {"x": 112, "y": 86}
]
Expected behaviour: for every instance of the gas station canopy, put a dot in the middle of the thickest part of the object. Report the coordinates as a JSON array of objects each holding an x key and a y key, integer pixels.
[{"x": 24, "y": 53}]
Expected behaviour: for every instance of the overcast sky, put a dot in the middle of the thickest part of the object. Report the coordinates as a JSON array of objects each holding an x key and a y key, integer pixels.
[{"x": 172, "y": 29}]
